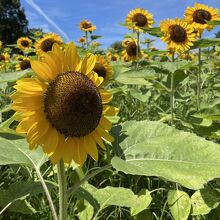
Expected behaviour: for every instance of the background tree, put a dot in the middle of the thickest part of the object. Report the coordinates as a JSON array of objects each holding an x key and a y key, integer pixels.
[
  {"x": 13, "y": 22},
  {"x": 217, "y": 35}
]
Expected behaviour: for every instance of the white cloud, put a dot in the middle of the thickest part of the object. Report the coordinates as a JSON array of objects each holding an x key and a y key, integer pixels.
[{"x": 51, "y": 22}]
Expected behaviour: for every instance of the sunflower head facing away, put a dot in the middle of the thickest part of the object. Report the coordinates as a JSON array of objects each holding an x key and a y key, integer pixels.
[
  {"x": 130, "y": 52},
  {"x": 24, "y": 43},
  {"x": 86, "y": 25},
  {"x": 45, "y": 44},
  {"x": 103, "y": 69},
  {"x": 141, "y": 19},
  {"x": 23, "y": 64},
  {"x": 200, "y": 14},
  {"x": 63, "y": 109},
  {"x": 178, "y": 34}
]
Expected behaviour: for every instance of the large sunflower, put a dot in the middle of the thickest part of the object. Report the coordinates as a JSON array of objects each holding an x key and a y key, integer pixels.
[
  {"x": 130, "y": 52},
  {"x": 23, "y": 64},
  {"x": 103, "y": 68},
  {"x": 86, "y": 25},
  {"x": 178, "y": 34},
  {"x": 142, "y": 19},
  {"x": 200, "y": 14},
  {"x": 45, "y": 44},
  {"x": 63, "y": 108},
  {"x": 24, "y": 43}
]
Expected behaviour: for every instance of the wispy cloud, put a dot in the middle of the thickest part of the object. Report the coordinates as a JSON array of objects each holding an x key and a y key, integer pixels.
[{"x": 51, "y": 22}]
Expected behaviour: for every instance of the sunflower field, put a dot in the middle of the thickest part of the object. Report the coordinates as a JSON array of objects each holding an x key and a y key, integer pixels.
[{"x": 130, "y": 132}]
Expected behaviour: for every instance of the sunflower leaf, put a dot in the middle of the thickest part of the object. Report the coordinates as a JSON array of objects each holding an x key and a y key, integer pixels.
[
  {"x": 16, "y": 151},
  {"x": 156, "y": 149}
]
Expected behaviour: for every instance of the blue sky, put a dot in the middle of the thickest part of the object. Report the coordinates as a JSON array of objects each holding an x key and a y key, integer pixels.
[{"x": 63, "y": 17}]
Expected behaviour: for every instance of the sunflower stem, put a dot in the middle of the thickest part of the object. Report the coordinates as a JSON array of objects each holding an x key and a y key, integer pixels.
[
  {"x": 137, "y": 48},
  {"x": 50, "y": 201},
  {"x": 198, "y": 81},
  {"x": 172, "y": 94},
  {"x": 87, "y": 40},
  {"x": 62, "y": 190}
]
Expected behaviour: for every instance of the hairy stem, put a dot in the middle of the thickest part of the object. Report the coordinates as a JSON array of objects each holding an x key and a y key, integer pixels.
[{"x": 62, "y": 190}]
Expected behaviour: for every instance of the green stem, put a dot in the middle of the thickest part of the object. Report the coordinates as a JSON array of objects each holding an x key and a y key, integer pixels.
[
  {"x": 51, "y": 205},
  {"x": 87, "y": 40},
  {"x": 172, "y": 94},
  {"x": 199, "y": 79},
  {"x": 138, "y": 47},
  {"x": 62, "y": 190},
  {"x": 74, "y": 188}
]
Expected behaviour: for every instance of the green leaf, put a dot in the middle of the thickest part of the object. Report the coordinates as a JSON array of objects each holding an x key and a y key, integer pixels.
[
  {"x": 142, "y": 202},
  {"x": 117, "y": 196},
  {"x": 138, "y": 95},
  {"x": 204, "y": 200},
  {"x": 156, "y": 149},
  {"x": 85, "y": 210},
  {"x": 136, "y": 77},
  {"x": 94, "y": 37},
  {"x": 179, "y": 204},
  {"x": 216, "y": 23},
  {"x": 179, "y": 76},
  {"x": 16, "y": 194},
  {"x": 206, "y": 42},
  {"x": 13, "y": 76},
  {"x": 17, "y": 152},
  {"x": 155, "y": 31}
]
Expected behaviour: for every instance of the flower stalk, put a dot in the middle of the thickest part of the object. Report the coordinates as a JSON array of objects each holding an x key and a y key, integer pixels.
[
  {"x": 62, "y": 190},
  {"x": 198, "y": 80},
  {"x": 172, "y": 93}
]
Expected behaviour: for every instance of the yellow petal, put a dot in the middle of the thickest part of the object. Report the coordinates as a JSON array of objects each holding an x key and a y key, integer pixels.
[
  {"x": 88, "y": 63},
  {"x": 43, "y": 70},
  {"x": 72, "y": 57},
  {"x": 90, "y": 147}
]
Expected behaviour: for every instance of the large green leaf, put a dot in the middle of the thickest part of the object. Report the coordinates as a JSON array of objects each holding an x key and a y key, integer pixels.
[
  {"x": 156, "y": 149},
  {"x": 136, "y": 77},
  {"x": 117, "y": 196},
  {"x": 14, "y": 197},
  {"x": 179, "y": 204},
  {"x": 17, "y": 152}
]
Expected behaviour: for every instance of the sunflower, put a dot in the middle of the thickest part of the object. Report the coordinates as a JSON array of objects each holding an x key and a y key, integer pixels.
[
  {"x": 187, "y": 56},
  {"x": 130, "y": 52},
  {"x": 200, "y": 14},
  {"x": 4, "y": 57},
  {"x": 82, "y": 40},
  {"x": 103, "y": 68},
  {"x": 24, "y": 64},
  {"x": 126, "y": 41},
  {"x": 178, "y": 34},
  {"x": 45, "y": 44},
  {"x": 63, "y": 109},
  {"x": 86, "y": 25},
  {"x": 24, "y": 43},
  {"x": 141, "y": 19},
  {"x": 112, "y": 57}
]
